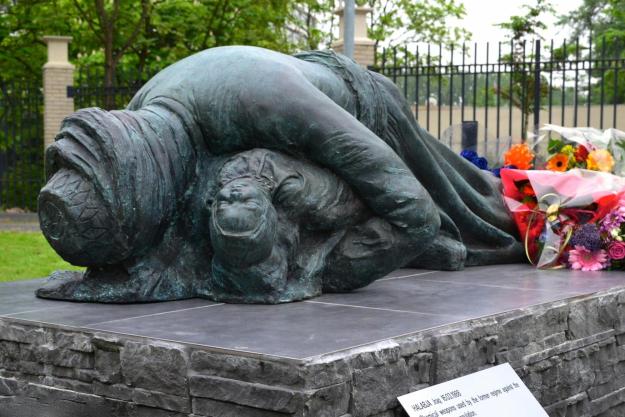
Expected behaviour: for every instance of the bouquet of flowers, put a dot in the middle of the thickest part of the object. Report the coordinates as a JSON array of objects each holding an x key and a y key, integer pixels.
[
  {"x": 569, "y": 219},
  {"x": 585, "y": 148}
]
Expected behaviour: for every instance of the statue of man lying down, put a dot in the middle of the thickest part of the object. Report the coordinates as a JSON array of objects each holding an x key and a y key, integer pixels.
[{"x": 242, "y": 174}]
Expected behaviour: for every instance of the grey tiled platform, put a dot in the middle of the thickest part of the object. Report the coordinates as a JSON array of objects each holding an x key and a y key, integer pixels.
[
  {"x": 407, "y": 301},
  {"x": 339, "y": 355}
]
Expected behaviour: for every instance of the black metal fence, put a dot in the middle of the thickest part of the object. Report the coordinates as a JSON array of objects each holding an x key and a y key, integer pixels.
[
  {"x": 509, "y": 88},
  {"x": 90, "y": 90},
  {"x": 21, "y": 144}
]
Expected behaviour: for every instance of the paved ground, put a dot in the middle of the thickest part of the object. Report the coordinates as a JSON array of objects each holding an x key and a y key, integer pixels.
[
  {"x": 405, "y": 302},
  {"x": 22, "y": 222}
]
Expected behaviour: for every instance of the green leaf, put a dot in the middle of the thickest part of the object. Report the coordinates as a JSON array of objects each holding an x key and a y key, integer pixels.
[{"x": 555, "y": 145}]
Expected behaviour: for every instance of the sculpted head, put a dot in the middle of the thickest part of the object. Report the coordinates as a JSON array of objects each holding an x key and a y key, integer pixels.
[{"x": 243, "y": 223}]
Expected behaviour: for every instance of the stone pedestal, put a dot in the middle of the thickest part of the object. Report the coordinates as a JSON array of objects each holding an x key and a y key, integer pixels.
[
  {"x": 58, "y": 74},
  {"x": 364, "y": 48},
  {"x": 339, "y": 355}
]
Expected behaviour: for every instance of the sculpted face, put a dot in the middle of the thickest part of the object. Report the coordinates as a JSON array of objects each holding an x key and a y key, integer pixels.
[
  {"x": 240, "y": 208},
  {"x": 243, "y": 223}
]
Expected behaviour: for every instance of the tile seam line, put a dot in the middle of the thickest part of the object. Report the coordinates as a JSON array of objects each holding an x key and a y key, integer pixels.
[
  {"x": 151, "y": 315},
  {"x": 405, "y": 276},
  {"x": 487, "y": 285},
  {"x": 383, "y": 309},
  {"x": 32, "y": 311}
]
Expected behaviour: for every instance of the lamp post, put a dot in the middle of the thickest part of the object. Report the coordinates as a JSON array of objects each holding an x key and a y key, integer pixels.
[{"x": 348, "y": 35}]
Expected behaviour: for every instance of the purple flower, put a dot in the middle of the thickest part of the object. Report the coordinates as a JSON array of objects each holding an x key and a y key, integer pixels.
[
  {"x": 468, "y": 155},
  {"x": 587, "y": 236},
  {"x": 480, "y": 162},
  {"x": 475, "y": 159},
  {"x": 612, "y": 220}
]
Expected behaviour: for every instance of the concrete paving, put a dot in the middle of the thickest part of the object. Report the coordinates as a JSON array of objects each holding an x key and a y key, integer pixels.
[
  {"x": 19, "y": 222},
  {"x": 405, "y": 302}
]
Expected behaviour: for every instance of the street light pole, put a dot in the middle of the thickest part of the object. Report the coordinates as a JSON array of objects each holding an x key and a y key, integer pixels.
[{"x": 349, "y": 14}]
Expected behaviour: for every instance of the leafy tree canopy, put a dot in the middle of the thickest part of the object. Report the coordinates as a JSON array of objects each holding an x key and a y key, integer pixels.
[
  {"x": 116, "y": 35},
  {"x": 599, "y": 20},
  {"x": 400, "y": 21}
]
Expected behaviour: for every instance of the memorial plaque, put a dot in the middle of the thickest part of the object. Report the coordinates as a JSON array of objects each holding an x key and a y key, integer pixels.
[{"x": 492, "y": 392}]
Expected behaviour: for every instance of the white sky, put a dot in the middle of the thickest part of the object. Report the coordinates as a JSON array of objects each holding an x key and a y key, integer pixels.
[{"x": 482, "y": 15}]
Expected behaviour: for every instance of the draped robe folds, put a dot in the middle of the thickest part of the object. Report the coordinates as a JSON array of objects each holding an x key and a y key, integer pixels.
[{"x": 323, "y": 107}]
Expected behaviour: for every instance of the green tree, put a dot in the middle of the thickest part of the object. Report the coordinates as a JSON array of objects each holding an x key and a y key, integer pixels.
[
  {"x": 521, "y": 91},
  {"x": 120, "y": 34},
  {"x": 22, "y": 27},
  {"x": 400, "y": 21},
  {"x": 603, "y": 23}
]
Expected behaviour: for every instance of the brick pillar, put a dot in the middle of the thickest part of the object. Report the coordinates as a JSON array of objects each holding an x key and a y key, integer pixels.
[
  {"x": 58, "y": 73},
  {"x": 364, "y": 48}
]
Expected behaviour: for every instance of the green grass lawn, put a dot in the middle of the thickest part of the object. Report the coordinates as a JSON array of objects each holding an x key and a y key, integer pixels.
[{"x": 26, "y": 255}]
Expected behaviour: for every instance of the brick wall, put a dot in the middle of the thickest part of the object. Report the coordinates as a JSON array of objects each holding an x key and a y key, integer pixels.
[{"x": 56, "y": 103}]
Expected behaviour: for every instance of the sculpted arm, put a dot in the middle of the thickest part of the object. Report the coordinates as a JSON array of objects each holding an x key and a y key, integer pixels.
[{"x": 306, "y": 123}]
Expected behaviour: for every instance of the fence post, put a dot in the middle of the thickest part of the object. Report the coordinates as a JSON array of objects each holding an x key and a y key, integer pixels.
[
  {"x": 364, "y": 48},
  {"x": 537, "y": 87},
  {"x": 58, "y": 74}
]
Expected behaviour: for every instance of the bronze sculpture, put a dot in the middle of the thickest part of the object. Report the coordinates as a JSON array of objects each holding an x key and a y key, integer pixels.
[{"x": 241, "y": 174}]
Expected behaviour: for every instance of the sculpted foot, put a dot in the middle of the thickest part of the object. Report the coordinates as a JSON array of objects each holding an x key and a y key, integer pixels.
[{"x": 103, "y": 286}]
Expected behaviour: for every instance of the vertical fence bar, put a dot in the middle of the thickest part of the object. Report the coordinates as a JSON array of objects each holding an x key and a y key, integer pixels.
[
  {"x": 19, "y": 160},
  {"x": 416, "y": 83},
  {"x": 615, "y": 95},
  {"x": 589, "y": 93},
  {"x": 551, "y": 67},
  {"x": 510, "y": 90},
  {"x": 525, "y": 65},
  {"x": 498, "y": 91},
  {"x": 576, "y": 99},
  {"x": 462, "y": 79},
  {"x": 384, "y": 61},
  {"x": 427, "y": 90},
  {"x": 439, "y": 97},
  {"x": 486, "y": 93},
  {"x": 451, "y": 89},
  {"x": 13, "y": 114},
  {"x": 475, "y": 81},
  {"x": 406, "y": 71},
  {"x": 537, "y": 90},
  {"x": 395, "y": 65},
  {"x": 563, "y": 99},
  {"x": 5, "y": 139},
  {"x": 602, "y": 93}
]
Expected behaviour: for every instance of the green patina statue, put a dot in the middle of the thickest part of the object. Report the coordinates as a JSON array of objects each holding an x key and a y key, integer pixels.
[{"x": 244, "y": 175}]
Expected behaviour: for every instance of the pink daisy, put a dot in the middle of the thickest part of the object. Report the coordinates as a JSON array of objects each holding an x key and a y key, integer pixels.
[{"x": 587, "y": 260}]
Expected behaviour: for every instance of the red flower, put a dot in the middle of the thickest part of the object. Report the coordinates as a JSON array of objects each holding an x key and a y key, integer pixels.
[
  {"x": 581, "y": 153},
  {"x": 528, "y": 190}
]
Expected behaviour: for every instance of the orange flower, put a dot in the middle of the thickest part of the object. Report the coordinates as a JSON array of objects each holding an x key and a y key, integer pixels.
[
  {"x": 600, "y": 160},
  {"x": 520, "y": 156},
  {"x": 558, "y": 162}
]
